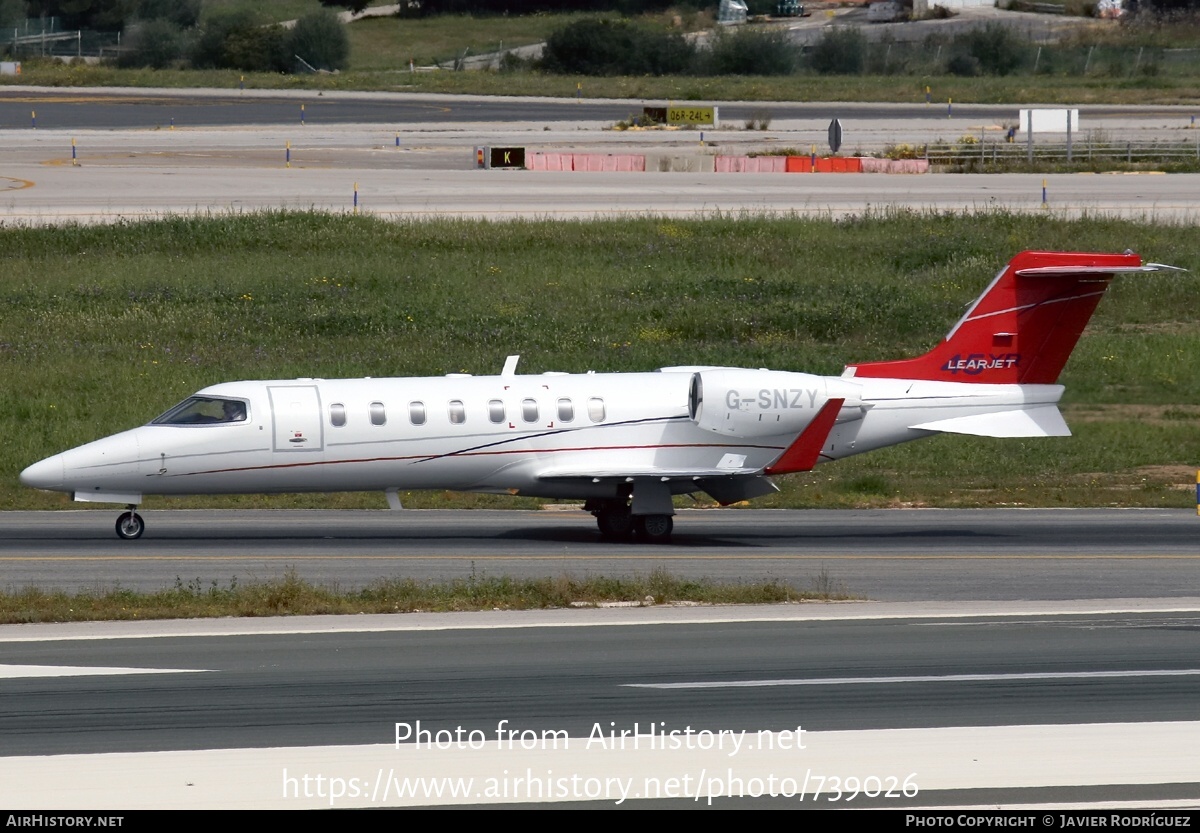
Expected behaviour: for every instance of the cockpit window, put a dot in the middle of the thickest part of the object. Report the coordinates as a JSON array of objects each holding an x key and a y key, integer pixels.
[{"x": 205, "y": 410}]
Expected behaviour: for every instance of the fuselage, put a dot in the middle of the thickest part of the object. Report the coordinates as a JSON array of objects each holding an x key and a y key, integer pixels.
[{"x": 520, "y": 434}]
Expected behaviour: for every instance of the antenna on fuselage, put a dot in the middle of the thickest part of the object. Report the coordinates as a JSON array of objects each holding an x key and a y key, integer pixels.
[{"x": 510, "y": 366}]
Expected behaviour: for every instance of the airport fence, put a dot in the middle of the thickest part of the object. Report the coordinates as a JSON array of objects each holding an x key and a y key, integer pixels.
[
  {"x": 43, "y": 37},
  {"x": 1084, "y": 152},
  {"x": 1046, "y": 59}
]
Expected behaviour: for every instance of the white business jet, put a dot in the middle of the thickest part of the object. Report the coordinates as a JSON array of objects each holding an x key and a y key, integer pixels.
[{"x": 625, "y": 443}]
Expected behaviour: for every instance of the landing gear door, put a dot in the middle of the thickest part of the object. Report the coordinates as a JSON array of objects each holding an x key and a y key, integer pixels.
[{"x": 296, "y": 418}]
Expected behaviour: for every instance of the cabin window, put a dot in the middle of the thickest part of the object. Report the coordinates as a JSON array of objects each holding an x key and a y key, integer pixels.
[
  {"x": 496, "y": 411},
  {"x": 566, "y": 411},
  {"x": 416, "y": 413},
  {"x": 337, "y": 415},
  {"x": 458, "y": 414},
  {"x": 378, "y": 414},
  {"x": 205, "y": 410},
  {"x": 529, "y": 410},
  {"x": 596, "y": 409}
]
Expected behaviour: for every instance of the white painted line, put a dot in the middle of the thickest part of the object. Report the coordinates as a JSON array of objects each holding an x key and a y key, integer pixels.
[
  {"x": 948, "y": 678},
  {"x": 19, "y": 672}
]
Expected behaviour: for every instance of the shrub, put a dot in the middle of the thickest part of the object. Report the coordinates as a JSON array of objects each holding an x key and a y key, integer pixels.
[
  {"x": 615, "y": 47},
  {"x": 355, "y": 6},
  {"x": 237, "y": 40},
  {"x": 261, "y": 49},
  {"x": 966, "y": 66},
  {"x": 183, "y": 13},
  {"x": 839, "y": 51},
  {"x": 744, "y": 51},
  {"x": 998, "y": 49},
  {"x": 320, "y": 40},
  {"x": 156, "y": 43}
]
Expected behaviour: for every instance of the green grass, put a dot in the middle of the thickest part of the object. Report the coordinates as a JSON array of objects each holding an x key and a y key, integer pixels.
[
  {"x": 292, "y": 596},
  {"x": 104, "y": 327},
  {"x": 898, "y": 89},
  {"x": 382, "y": 44}
]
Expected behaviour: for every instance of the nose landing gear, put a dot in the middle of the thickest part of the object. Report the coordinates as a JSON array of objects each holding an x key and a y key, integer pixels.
[{"x": 130, "y": 525}]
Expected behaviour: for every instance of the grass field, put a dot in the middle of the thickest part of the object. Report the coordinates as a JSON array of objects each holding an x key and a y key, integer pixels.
[
  {"x": 383, "y": 44},
  {"x": 292, "y": 596},
  {"x": 893, "y": 88},
  {"x": 102, "y": 328}
]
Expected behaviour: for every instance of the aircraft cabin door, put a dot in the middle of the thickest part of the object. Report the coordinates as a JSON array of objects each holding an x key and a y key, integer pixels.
[{"x": 296, "y": 418}]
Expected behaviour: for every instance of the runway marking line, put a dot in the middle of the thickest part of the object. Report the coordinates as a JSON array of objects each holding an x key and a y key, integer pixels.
[
  {"x": 20, "y": 183},
  {"x": 947, "y": 678},
  {"x": 740, "y": 556},
  {"x": 24, "y": 672}
]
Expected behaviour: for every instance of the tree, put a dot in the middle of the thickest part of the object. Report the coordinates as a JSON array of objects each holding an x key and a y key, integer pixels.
[
  {"x": 237, "y": 40},
  {"x": 839, "y": 51},
  {"x": 11, "y": 12},
  {"x": 615, "y": 47},
  {"x": 355, "y": 6},
  {"x": 995, "y": 48},
  {"x": 745, "y": 51},
  {"x": 320, "y": 40},
  {"x": 154, "y": 43},
  {"x": 105, "y": 15},
  {"x": 183, "y": 13}
]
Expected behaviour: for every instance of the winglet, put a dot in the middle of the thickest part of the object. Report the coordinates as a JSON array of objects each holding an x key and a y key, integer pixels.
[{"x": 802, "y": 454}]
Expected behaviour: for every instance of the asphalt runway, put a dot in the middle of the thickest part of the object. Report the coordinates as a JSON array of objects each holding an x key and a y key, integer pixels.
[
  {"x": 117, "y": 108},
  {"x": 123, "y": 108},
  {"x": 889, "y": 555},
  {"x": 926, "y": 709}
]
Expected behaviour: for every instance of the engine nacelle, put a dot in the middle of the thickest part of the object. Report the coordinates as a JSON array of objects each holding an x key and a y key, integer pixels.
[{"x": 765, "y": 403}]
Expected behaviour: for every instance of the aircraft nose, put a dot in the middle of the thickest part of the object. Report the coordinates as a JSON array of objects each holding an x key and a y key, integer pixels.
[{"x": 47, "y": 474}]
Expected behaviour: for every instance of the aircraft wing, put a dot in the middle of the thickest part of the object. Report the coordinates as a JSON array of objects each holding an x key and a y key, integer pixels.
[
  {"x": 726, "y": 484},
  {"x": 638, "y": 473}
]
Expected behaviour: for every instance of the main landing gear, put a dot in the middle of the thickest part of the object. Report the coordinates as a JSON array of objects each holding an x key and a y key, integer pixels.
[
  {"x": 617, "y": 523},
  {"x": 130, "y": 525}
]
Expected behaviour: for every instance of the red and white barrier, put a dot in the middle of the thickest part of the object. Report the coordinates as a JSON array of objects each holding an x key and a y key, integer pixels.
[
  {"x": 621, "y": 162},
  {"x": 617, "y": 162}
]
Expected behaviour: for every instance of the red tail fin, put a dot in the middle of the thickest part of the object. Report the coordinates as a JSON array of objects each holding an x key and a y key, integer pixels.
[{"x": 1024, "y": 326}]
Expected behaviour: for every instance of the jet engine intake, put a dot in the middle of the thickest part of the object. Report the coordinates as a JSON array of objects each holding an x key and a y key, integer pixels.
[{"x": 766, "y": 403}]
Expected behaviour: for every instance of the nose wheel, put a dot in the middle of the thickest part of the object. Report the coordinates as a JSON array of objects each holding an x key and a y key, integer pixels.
[{"x": 130, "y": 525}]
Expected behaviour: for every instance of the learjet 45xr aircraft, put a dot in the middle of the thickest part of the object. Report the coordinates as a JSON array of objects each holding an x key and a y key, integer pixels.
[{"x": 623, "y": 442}]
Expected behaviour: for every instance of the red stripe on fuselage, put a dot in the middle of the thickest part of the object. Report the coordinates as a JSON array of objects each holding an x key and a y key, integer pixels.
[{"x": 461, "y": 454}]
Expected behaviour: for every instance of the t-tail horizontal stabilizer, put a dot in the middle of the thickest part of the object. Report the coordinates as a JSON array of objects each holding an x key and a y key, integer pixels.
[{"x": 1043, "y": 421}]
